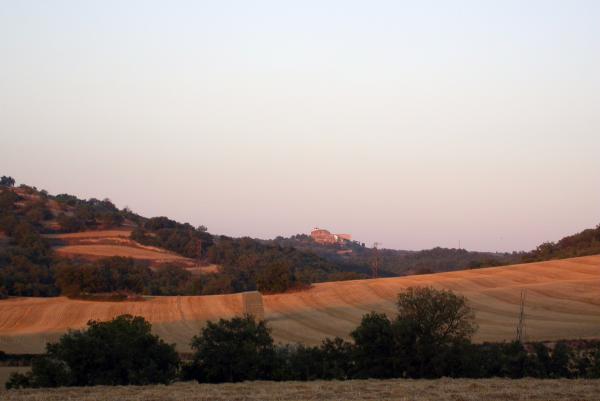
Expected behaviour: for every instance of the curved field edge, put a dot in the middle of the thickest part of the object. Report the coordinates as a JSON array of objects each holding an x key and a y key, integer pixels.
[
  {"x": 563, "y": 302},
  {"x": 105, "y": 243}
]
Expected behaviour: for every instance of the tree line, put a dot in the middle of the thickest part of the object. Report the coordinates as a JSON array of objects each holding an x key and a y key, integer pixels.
[
  {"x": 28, "y": 266},
  {"x": 398, "y": 262},
  {"x": 122, "y": 275},
  {"x": 430, "y": 337},
  {"x": 586, "y": 242}
]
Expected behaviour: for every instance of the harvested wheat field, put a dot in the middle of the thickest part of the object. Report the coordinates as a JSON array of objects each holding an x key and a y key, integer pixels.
[
  {"x": 103, "y": 251},
  {"x": 97, "y": 244},
  {"x": 101, "y": 244},
  {"x": 397, "y": 389},
  {"x": 562, "y": 302},
  {"x": 124, "y": 233}
]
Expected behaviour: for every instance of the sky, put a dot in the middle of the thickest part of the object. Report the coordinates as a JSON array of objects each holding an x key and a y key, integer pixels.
[{"x": 413, "y": 124}]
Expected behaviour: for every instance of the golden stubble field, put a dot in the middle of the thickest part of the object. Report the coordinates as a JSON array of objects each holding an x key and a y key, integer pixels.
[
  {"x": 97, "y": 244},
  {"x": 563, "y": 302},
  {"x": 353, "y": 390},
  {"x": 105, "y": 243}
]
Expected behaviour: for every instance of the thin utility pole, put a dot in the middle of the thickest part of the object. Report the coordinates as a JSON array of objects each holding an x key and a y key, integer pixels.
[{"x": 376, "y": 262}]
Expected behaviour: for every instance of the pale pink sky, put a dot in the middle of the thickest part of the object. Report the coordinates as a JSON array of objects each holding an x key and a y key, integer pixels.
[{"x": 411, "y": 124}]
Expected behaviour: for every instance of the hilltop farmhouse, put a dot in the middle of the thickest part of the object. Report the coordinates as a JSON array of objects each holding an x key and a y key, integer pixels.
[{"x": 322, "y": 236}]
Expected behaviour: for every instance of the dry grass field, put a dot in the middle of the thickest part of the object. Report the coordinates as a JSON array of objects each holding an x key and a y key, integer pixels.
[
  {"x": 563, "y": 302},
  {"x": 124, "y": 233},
  {"x": 400, "y": 390},
  {"x": 103, "y": 251},
  {"x": 105, "y": 243},
  {"x": 99, "y": 244}
]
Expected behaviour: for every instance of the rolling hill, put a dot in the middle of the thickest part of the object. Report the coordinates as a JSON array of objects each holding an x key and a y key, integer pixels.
[
  {"x": 48, "y": 243},
  {"x": 97, "y": 244},
  {"x": 562, "y": 302}
]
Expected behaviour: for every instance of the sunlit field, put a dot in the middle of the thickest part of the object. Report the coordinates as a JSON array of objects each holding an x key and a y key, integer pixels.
[{"x": 563, "y": 303}]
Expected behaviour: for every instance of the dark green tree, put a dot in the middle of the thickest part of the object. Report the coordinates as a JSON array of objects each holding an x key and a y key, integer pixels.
[
  {"x": 374, "y": 346},
  {"x": 70, "y": 223},
  {"x": 541, "y": 363},
  {"x": 304, "y": 363},
  {"x": 594, "y": 368},
  {"x": 516, "y": 362},
  {"x": 559, "y": 365},
  {"x": 429, "y": 323},
  {"x": 7, "y": 181},
  {"x": 337, "y": 358},
  {"x": 233, "y": 350},
  {"x": 118, "y": 352},
  {"x": 274, "y": 278}
]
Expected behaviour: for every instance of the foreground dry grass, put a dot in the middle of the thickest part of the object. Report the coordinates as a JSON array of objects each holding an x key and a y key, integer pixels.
[
  {"x": 563, "y": 302},
  {"x": 401, "y": 390}
]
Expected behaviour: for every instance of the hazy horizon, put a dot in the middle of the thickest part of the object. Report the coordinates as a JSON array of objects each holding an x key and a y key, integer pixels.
[{"x": 411, "y": 124}]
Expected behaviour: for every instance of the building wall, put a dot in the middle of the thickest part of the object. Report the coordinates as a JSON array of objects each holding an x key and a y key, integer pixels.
[
  {"x": 325, "y": 237},
  {"x": 322, "y": 236}
]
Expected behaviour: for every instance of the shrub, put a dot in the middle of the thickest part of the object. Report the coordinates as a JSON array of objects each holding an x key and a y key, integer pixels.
[
  {"x": 374, "y": 346},
  {"x": 429, "y": 323},
  {"x": 233, "y": 350},
  {"x": 7, "y": 181},
  {"x": 118, "y": 352}
]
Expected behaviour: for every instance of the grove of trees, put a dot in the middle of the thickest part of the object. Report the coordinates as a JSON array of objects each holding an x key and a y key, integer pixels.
[{"x": 7, "y": 181}]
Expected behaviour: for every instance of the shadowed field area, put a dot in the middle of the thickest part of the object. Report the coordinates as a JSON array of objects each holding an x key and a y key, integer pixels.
[
  {"x": 397, "y": 389},
  {"x": 563, "y": 302}
]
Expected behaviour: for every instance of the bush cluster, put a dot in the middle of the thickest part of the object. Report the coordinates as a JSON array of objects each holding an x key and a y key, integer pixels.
[
  {"x": 124, "y": 275},
  {"x": 119, "y": 352},
  {"x": 88, "y": 214},
  {"x": 249, "y": 265},
  {"x": 180, "y": 238}
]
